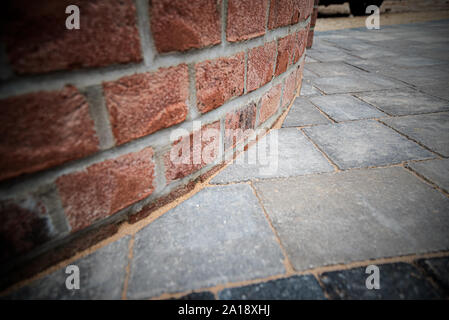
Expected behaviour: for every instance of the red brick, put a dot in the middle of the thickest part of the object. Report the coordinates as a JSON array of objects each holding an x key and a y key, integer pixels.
[
  {"x": 306, "y": 7},
  {"x": 309, "y": 39},
  {"x": 179, "y": 164},
  {"x": 104, "y": 188},
  {"x": 314, "y": 17},
  {"x": 143, "y": 103},
  {"x": 37, "y": 40},
  {"x": 300, "y": 44},
  {"x": 270, "y": 103},
  {"x": 179, "y": 25},
  {"x": 238, "y": 125},
  {"x": 285, "y": 53},
  {"x": 219, "y": 80},
  {"x": 43, "y": 129},
  {"x": 260, "y": 65},
  {"x": 289, "y": 89},
  {"x": 25, "y": 224},
  {"x": 283, "y": 13},
  {"x": 246, "y": 19},
  {"x": 299, "y": 73}
]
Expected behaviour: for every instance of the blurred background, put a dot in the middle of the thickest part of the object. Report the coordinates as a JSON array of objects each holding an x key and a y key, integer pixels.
[{"x": 333, "y": 14}]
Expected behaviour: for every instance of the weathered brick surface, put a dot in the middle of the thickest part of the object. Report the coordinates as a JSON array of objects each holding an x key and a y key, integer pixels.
[
  {"x": 260, "y": 65},
  {"x": 283, "y": 13},
  {"x": 310, "y": 38},
  {"x": 37, "y": 40},
  {"x": 44, "y": 129},
  {"x": 24, "y": 225},
  {"x": 144, "y": 103},
  {"x": 270, "y": 103},
  {"x": 179, "y": 25},
  {"x": 219, "y": 80},
  {"x": 306, "y": 7},
  {"x": 314, "y": 17},
  {"x": 289, "y": 89},
  {"x": 190, "y": 153},
  {"x": 286, "y": 47},
  {"x": 246, "y": 19},
  {"x": 238, "y": 125},
  {"x": 106, "y": 187},
  {"x": 300, "y": 45}
]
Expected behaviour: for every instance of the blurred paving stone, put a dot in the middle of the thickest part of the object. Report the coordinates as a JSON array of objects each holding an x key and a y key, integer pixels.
[
  {"x": 293, "y": 288},
  {"x": 342, "y": 107},
  {"x": 343, "y": 217},
  {"x": 303, "y": 113},
  {"x": 332, "y": 69},
  {"x": 397, "y": 281},
  {"x": 102, "y": 276},
  {"x": 436, "y": 171},
  {"x": 364, "y": 143},
  {"x": 205, "y": 295},
  {"x": 438, "y": 268},
  {"x": 217, "y": 236},
  {"x": 295, "y": 155},
  {"x": 439, "y": 90},
  {"x": 404, "y": 102},
  {"x": 309, "y": 90},
  {"x": 432, "y": 130},
  {"x": 410, "y": 61}
]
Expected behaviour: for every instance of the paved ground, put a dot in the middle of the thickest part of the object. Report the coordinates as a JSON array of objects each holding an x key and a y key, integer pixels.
[{"x": 361, "y": 178}]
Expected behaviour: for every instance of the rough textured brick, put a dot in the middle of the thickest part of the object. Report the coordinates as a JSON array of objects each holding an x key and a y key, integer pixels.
[
  {"x": 306, "y": 7},
  {"x": 179, "y": 164},
  {"x": 270, "y": 103},
  {"x": 179, "y": 25},
  {"x": 246, "y": 19},
  {"x": 260, "y": 65},
  {"x": 283, "y": 13},
  {"x": 43, "y": 129},
  {"x": 144, "y": 103},
  {"x": 106, "y": 187},
  {"x": 25, "y": 224},
  {"x": 314, "y": 17},
  {"x": 37, "y": 40},
  {"x": 300, "y": 45},
  {"x": 289, "y": 89},
  {"x": 285, "y": 52},
  {"x": 219, "y": 80},
  {"x": 238, "y": 125},
  {"x": 309, "y": 39}
]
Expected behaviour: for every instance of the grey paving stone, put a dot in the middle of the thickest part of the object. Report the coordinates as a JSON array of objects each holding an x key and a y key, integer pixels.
[
  {"x": 438, "y": 268},
  {"x": 303, "y": 113},
  {"x": 410, "y": 61},
  {"x": 288, "y": 153},
  {"x": 293, "y": 288},
  {"x": 397, "y": 281},
  {"x": 342, "y": 107},
  {"x": 354, "y": 83},
  {"x": 404, "y": 102},
  {"x": 355, "y": 215},
  {"x": 436, "y": 171},
  {"x": 432, "y": 130},
  {"x": 332, "y": 69},
  {"x": 327, "y": 55},
  {"x": 217, "y": 236},
  {"x": 308, "y": 90},
  {"x": 204, "y": 295},
  {"x": 439, "y": 90},
  {"x": 365, "y": 143},
  {"x": 102, "y": 276}
]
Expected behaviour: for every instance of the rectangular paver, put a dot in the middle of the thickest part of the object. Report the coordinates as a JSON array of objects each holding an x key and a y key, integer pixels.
[
  {"x": 432, "y": 130},
  {"x": 396, "y": 280},
  {"x": 436, "y": 171},
  {"x": 404, "y": 102},
  {"x": 288, "y": 153},
  {"x": 365, "y": 143},
  {"x": 355, "y": 215},
  {"x": 303, "y": 113},
  {"x": 102, "y": 276},
  {"x": 217, "y": 236},
  {"x": 343, "y": 107}
]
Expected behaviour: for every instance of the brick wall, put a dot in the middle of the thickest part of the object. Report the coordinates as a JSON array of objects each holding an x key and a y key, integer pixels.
[
  {"x": 88, "y": 115},
  {"x": 312, "y": 24}
]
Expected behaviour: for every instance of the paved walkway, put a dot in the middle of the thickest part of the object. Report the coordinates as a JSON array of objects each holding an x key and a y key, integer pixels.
[{"x": 363, "y": 178}]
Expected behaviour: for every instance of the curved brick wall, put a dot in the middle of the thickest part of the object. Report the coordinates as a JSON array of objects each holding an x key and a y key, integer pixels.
[{"x": 87, "y": 115}]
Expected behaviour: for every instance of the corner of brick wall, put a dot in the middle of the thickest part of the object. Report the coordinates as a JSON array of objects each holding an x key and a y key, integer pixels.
[{"x": 88, "y": 115}]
